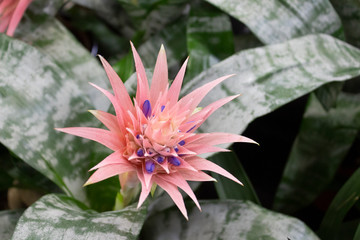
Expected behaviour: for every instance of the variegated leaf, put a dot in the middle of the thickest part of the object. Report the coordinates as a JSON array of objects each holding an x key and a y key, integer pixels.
[
  {"x": 8, "y": 220},
  {"x": 228, "y": 220},
  {"x": 276, "y": 21},
  {"x": 62, "y": 217},
  {"x": 272, "y": 76}
]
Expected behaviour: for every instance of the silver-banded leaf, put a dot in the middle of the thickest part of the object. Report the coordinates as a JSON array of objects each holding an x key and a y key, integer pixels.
[
  {"x": 272, "y": 76},
  {"x": 209, "y": 38},
  {"x": 37, "y": 96},
  {"x": 348, "y": 195},
  {"x": 8, "y": 220},
  {"x": 227, "y": 189},
  {"x": 267, "y": 19},
  {"x": 324, "y": 140},
  {"x": 49, "y": 7},
  {"x": 228, "y": 220},
  {"x": 49, "y": 36},
  {"x": 62, "y": 217}
]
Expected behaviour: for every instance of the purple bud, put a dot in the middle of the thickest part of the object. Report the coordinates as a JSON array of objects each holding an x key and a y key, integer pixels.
[
  {"x": 176, "y": 149},
  {"x": 182, "y": 143},
  {"x": 160, "y": 159},
  {"x": 147, "y": 108},
  {"x": 150, "y": 166},
  {"x": 162, "y": 108},
  {"x": 140, "y": 152},
  {"x": 191, "y": 128},
  {"x": 174, "y": 161},
  {"x": 138, "y": 136}
]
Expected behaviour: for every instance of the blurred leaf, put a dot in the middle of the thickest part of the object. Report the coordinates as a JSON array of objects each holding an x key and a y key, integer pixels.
[
  {"x": 209, "y": 38},
  {"x": 272, "y": 76},
  {"x": 266, "y": 19},
  {"x": 62, "y": 217},
  {"x": 327, "y": 94},
  {"x": 225, "y": 220},
  {"x": 324, "y": 139},
  {"x": 49, "y": 7},
  {"x": 357, "y": 233},
  {"x": 112, "y": 12},
  {"x": 125, "y": 67},
  {"x": 174, "y": 39},
  {"x": 227, "y": 189},
  {"x": 8, "y": 220},
  {"x": 348, "y": 195},
  {"x": 349, "y": 12},
  {"x": 150, "y": 17}
]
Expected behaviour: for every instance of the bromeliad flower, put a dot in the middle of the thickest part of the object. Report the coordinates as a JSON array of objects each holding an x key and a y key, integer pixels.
[
  {"x": 11, "y": 12},
  {"x": 154, "y": 136}
]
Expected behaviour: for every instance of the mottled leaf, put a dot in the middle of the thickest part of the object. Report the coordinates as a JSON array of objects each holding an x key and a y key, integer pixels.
[
  {"x": 227, "y": 189},
  {"x": 62, "y": 217},
  {"x": 347, "y": 196},
  {"x": 272, "y": 76},
  {"x": 36, "y": 96},
  {"x": 225, "y": 220},
  {"x": 266, "y": 19},
  {"x": 324, "y": 139},
  {"x": 52, "y": 38},
  {"x": 8, "y": 220}
]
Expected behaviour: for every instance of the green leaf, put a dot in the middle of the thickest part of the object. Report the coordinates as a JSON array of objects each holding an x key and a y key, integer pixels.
[
  {"x": 357, "y": 233},
  {"x": 8, "y": 220},
  {"x": 349, "y": 12},
  {"x": 225, "y": 220},
  {"x": 324, "y": 139},
  {"x": 266, "y": 19},
  {"x": 209, "y": 38},
  {"x": 62, "y": 217},
  {"x": 227, "y": 189},
  {"x": 348, "y": 195},
  {"x": 272, "y": 76},
  {"x": 150, "y": 17}
]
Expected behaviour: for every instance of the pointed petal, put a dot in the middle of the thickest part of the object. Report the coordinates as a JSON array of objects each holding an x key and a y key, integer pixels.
[
  {"x": 175, "y": 87},
  {"x": 198, "y": 94},
  {"x": 109, "y": 120},
  {"x": 120, "y": 91},
  {"x": 208, "y": 110},
  {"x": 114, "y": 158},
  {"x": 160, "y": 77},
  {"x": 178, "y": 180},
  {"x": 205, "y": 148},
  {"x": 99, "y": 135},
  {"x": 147, "y": 177},
  {"x": 174, "y": 193},
  {"x": 142, "y": 92},
  {"x": 17, "y": 15},
  {"x": 198, "y": 176},
  {"x": 144, "y": 190},
  {"x": 203, "y": 164},
  {"x": 218, "y": 138},
  {"x": 108, "y": 171},
  {"x": 117, "y": 107}
]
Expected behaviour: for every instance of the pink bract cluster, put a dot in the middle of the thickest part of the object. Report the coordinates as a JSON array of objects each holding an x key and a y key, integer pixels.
[
  {"x": 11, "y": 12},
  {"x": 154, "y": 135}
]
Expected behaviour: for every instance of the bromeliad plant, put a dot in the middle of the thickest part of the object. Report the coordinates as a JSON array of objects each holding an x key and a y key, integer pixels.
[
  {"x": 275, "y": 58},
  {"x": 154, "y": 136}
]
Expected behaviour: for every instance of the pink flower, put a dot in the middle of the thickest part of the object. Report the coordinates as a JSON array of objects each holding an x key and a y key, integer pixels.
[
  {"x": 11, "y": 12},
  {"x": 154, "y": 136}
]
